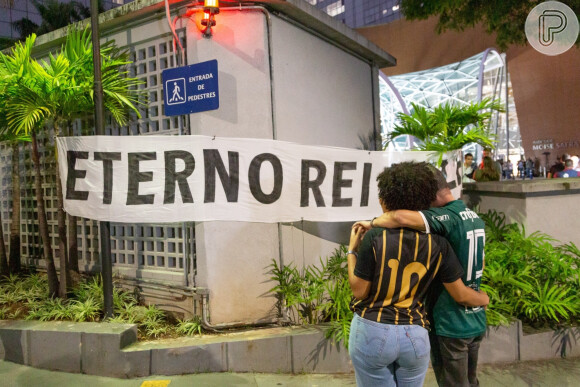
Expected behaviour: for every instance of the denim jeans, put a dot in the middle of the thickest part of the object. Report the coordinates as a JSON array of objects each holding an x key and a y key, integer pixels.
[{"x": 388, "y": 355}]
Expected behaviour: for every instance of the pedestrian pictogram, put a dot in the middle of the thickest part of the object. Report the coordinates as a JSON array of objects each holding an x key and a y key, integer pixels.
[{"x": 175, "y": 90}]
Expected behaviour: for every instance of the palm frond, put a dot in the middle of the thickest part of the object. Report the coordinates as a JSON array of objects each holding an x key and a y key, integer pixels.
[{"x": 448, "y": 127}]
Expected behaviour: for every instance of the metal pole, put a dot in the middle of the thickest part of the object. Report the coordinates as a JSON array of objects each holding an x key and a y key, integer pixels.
[
  {"x": 105, "y": 232},
  {"x": 507, "y": 114}
]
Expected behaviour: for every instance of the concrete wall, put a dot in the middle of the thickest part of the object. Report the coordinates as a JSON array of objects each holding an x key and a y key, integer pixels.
[
  {"x": 322, "y": 96},
  {"x": 541, "y": 205},
  {"x": 232, "y": 256},
  {"x": 111, "y": 349},
  {"x": 276, "y": 81}
]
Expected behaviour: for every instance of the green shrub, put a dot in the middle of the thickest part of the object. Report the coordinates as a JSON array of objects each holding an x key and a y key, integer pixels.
[
  {"x": 528, "y": 278},
  {"x": 316, "y": 294},
  {"x": 525, "y": 276},
  {"x": 25, "y": 297},
  {"x": 189, "y": 327}
]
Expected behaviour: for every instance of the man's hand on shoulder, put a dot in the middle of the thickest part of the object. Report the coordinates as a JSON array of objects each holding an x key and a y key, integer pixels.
[
  {"x": 395, "y": 219},
  {"x": 366, "y": 224}
]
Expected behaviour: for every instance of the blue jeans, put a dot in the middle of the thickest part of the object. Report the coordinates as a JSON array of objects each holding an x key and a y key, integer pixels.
[{"x": 388, "y": 355}]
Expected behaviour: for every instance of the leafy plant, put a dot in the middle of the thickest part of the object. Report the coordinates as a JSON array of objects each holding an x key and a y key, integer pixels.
[
  {"x": 153, "y": 323},
  {"x": 318, "y": 294},
  {"x": 548, "y": 301},
  {"x": 87, "y": 310},
  {"x": 189, "y": 327},
  {"x": 26, "y": 297},
  {"x": 447, "y": 127},
  {"x": 51, "y": 309},
  {"x": 4, "y": 312},
  {"x": 528, "y": 277},
  {"x": 495, "y": 225},
  {"x": 302, "y": 294}
]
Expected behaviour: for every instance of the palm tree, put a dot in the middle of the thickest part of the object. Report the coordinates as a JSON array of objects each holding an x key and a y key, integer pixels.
[
  {"x": 25, "y": 27},
  {"x": 119, "y": 98},
  {"x": 448, "y": 127},
  {"x": 20, "y": 79},
  {"x": 63, "y": 91},
  {"x": 54, "y": 15}
]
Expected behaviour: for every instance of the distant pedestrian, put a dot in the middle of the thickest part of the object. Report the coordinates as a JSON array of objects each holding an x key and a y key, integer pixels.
[
  {"x": 530, "y": 168},
  {"x": 469, "y": 168},
  {"x": 557, "y": 167},
  {"x": 522, "y": 168},
  {"x": 496, "y": 164},
  {"x": 508, "y": 169},
  {"x": 488, "y": 172},
  {"x": 568, "y": 170}
]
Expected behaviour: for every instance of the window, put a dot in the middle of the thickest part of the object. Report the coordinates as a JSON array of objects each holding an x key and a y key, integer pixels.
[{"x": 335, "y": 8}]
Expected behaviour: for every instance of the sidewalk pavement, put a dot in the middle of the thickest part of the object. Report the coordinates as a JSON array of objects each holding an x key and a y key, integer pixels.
[{"x": 558, "y": 372}]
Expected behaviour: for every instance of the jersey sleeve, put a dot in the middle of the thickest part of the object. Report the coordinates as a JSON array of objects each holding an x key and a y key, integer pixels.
[
  {"x": 450, "y": 270},
  {"x": 433, "y": 224},
  {"x": 365, "y": 262}
]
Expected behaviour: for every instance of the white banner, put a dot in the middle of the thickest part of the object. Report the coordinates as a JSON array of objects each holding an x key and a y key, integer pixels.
[{"x": 152, "y": 179}]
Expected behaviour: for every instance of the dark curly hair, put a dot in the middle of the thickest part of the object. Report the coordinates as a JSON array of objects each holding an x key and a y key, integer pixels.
[{"x": 407, "y": 186}]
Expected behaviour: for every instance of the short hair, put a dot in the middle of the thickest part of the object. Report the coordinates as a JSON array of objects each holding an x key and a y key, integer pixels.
[
  {"x": 468, "y": 154},
  {"x": 440, "y": 178},
  {"x": 569, "y": 163},
  {"x": 407, "y": 186}
]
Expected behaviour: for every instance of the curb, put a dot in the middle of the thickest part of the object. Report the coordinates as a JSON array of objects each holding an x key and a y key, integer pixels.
[{"x": 108, "y": 349}]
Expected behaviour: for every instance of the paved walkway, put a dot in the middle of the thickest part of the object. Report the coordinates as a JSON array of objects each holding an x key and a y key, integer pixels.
[{"x": 560, "y": 372}]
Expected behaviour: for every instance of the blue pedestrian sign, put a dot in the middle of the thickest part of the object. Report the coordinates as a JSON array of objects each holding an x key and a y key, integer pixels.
[{"x": 191, "y": 89}]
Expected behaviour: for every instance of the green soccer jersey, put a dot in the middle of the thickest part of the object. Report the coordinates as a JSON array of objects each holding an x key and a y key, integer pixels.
[{"x": 465, "y": 231}]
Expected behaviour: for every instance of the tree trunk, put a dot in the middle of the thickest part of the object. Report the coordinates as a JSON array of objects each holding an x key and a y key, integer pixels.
[
  {"x": 3, "y": 261},
  {"x": 73, "y": 252},
  {"x": 14, "y": 261},
  {"x": 65, "y": 283},
  {"x": 42, "y": 222}
]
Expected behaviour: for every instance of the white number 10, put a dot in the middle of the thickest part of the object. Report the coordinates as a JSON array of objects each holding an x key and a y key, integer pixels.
[{"x": 472, "y": 237}]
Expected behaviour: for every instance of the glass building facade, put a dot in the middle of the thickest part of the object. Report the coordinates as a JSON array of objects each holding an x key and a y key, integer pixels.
[
  {"x": 481, "y": 76},
  {"x": 473, "y": 79},
  {"x": 360, "y": 13},
  {"x": 14, "y": 10}
]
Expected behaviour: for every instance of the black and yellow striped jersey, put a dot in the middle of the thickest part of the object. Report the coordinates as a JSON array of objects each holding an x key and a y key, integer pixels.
[{"x": 401, "y": 264}]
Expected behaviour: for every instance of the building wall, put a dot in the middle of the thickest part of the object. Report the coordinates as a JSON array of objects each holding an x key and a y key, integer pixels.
[
  {"x": 333, "y": 107},
  {"x": 546, "y": 88},
  {"x": 271, "y": 86},
  {"x": 539, "y": 205}
]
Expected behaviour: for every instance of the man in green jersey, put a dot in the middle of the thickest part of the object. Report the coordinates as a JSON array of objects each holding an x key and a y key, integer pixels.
[{"x": 457, "y": 330}]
